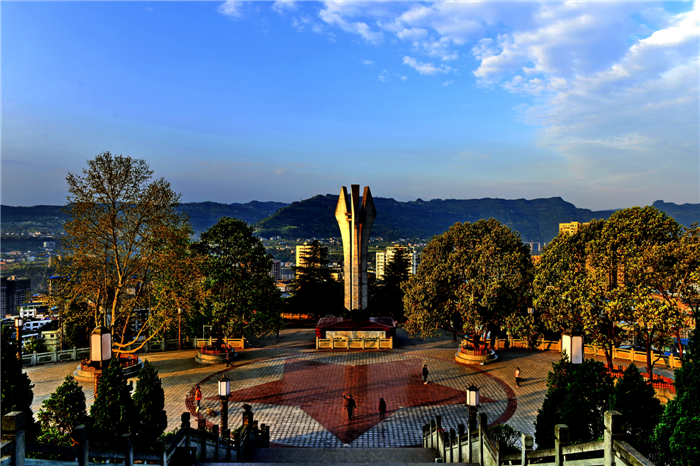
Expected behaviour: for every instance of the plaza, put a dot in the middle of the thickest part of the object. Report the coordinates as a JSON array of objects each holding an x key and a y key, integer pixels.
[{"x": 297, "y": 390}]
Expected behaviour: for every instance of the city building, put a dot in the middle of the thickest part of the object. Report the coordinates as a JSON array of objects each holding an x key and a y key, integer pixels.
[
  {"x": 383, "y": 259},
  {"x": 276, "y": 271},
  {"x": 15, "y": 291},
  {"x": 570, "y": 228},
  {"x": 33, "y": 310},
  {"x": 305, "y": 250}
]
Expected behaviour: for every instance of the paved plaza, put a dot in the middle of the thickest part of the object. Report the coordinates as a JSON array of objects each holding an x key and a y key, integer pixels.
[{"x": 297, "y": 390}]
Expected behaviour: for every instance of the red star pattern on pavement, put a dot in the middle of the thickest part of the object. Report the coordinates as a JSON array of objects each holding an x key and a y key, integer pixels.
[{"x": 317, "y": 388}]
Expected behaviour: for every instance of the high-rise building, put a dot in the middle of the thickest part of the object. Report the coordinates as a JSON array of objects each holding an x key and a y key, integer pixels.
[
  {"x": 276, "y": 270},
  {"x": 14, "y": 292},
  {"x": 383, "y": 259},
  {"x": 304, "y": 251},
  {"x": 570, "y": 228}
]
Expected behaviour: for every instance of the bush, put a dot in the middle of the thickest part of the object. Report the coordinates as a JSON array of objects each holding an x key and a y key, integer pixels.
[
  {"x": 17, "y": 394},
  {"x": 507, "y": 434},
  {"x": 62, "y": 412},
  {"x": 113, "y": 412}
]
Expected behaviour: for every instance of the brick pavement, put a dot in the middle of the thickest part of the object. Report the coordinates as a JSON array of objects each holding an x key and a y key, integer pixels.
[{"x": 298, "y": 390}]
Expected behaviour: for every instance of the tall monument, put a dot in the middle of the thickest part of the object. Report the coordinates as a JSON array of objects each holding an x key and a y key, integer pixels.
[{"x": 355, "y": 220}]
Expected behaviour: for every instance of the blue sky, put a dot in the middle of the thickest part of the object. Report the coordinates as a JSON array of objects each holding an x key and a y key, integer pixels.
[{"x": 596, "y": 102}]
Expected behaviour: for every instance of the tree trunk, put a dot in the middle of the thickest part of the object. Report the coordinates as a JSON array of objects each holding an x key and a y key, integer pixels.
[
  {"x": 680, "y": 345},
  {"x": 607, "y": 349}
]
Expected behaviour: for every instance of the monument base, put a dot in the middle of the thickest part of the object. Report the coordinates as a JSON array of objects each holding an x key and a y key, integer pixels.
[{"x": 352, "y": 334}]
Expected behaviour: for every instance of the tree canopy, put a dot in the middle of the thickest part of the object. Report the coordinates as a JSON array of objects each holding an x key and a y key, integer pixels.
[
  {"x": 314, "y": 290},
  {"x": 388, "y": 295},
  {"x": 125, "y": 257},
  {"x": 241, "y": 297},
  {"x": 475, "y": 273},
  {"x": 17, "y": 393},
  {"x": 62, "y": 412}
]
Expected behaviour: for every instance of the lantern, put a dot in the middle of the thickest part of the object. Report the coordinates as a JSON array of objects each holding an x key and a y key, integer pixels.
[{"x": 572, "y": 344}]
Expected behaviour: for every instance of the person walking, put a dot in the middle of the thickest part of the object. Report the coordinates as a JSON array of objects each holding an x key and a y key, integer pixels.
[
  {"x": 198, "y": 397},
  {"x": 229, "y": 357},
  {"x": 425, "y": 374},
  {"x": 382, "y": 409},
  {"x": 349, "y": 405},
  {"x": 517, "y": 376}
]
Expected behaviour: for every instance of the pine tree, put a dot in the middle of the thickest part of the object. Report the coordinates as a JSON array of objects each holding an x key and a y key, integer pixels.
[
  {"x": 113, "y": 411},
  {"x": 389, "y": 293},
  {"x": 149, "y": 402},
  {"x": 678, "y": 432},
  {"x": 634, "y": 397},
  {"x": 17, "y": 394},
  {"x": 61, "y": 412},
  {"x": 314, "y": 290}
]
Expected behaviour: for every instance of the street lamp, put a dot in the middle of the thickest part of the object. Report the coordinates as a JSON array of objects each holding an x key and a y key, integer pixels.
[
  {"x": 100, "y": 346},
  {"x": 224, "y": 392},
  {"x": 179, "y": 328},
  {"x": 18, "y": 333},
  {"x": 473, "y": 403},
  {"x": 530, "y": 310},
  {"x": 572, "y": 345}
]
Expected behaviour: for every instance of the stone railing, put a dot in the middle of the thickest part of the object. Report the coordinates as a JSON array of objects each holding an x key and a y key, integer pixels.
[
  {"x": 294, "y": 316},
  {"x": 355, "y": 343},
  {"x": 188, "y": 446},
  {"x": 206, "y": 345},
  {"x": 475, "y": 446}
]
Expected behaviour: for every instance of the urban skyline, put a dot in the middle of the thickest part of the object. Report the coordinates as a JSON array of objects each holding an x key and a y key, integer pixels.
[{"x": 594, "y": 102}]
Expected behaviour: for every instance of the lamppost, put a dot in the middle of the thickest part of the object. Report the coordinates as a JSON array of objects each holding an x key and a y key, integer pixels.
[
  {"x": 473, "y": 403},
  {"x": 18, "y": 333},
  {"x": 572, "y": 345},
  {"x": 100, "y": 351},
  {"x": 224, "y": 392},
  {"x": 179, "y": 328}
]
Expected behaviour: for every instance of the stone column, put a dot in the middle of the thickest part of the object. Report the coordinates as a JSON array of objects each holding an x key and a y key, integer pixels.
[
  {"x": 13, "y": 430},
  {"x": 614, "y": 430},
  {"x": 561, "y": 439}
]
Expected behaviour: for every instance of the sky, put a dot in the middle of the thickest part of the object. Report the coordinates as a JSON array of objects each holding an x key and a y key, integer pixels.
[{"x": 594, "y": 102}]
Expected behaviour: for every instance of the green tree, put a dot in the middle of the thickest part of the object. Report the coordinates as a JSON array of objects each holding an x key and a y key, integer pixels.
[
  {"x": 113, "y": 412},
  {"x": 475, "y": 273},
  {"x": 678, "y": 432},
  {"x": 61, "y": 412},
  {"x": 314, "y": 290},
  {"x": 577, "y": 395},
  {"x": 389, "y": 295},
  {"x": 17, "y": 393},
  {"x": 35, "y": 345},
  {"x": 149, "y": 402},
  {"x": 241, "y": 297},
  {"x": 125, "y": 250},
  {"x": 635, "y": 398}
]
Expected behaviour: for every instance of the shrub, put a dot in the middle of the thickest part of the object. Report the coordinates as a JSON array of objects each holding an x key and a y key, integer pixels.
[
  {"x": 149, "y": 402},
  {"x": 112, "y": 412}
]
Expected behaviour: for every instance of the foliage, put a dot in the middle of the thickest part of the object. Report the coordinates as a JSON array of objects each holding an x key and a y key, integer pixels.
[
  {"x": 240, "y": 294},
  {"x": 17, "y": 393},
  {"x": 149, "y": 402},
  {"x": 314, "y": 290},
  {"x": 678, "y": 432},
  {"x": 61, "y": 412},
  {"x": 35, "y": 345},
  {"x": 577, "y": 395},
  {"x": 113, "y": 412},
  {"x": 507, "y": 434},
  {"x": 635, "y": 398},
  {"x": 389, "y": 295},
  {"x": 126, "y": 250},
  {"x": 474, "y": 273}
]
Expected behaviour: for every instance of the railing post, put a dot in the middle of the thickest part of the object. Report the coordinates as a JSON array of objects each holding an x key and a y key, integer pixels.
[
  {"x": 561, "y": 439},
  {"x": 185, "y": 425},
  {"x": 433, "y": 429},
  {"x": 163, "y": 450},
  {"x": 74, "y": 353},
  {"x": 453, "y": 436},
  {"x": 13, "y": 430},
  {"x": 483, "y": 422},
  {"x": 237, "y": 445},
  {"x": 527, "y": 442},
  {"x": 614, "y": 430},
  {"x": 470, "y": 430},
  {"x": 129, "y": 459},
  {"x": 81, "y": 434},
  {"x": 215, "y": 431},
  {"x": 425, "y": 442},
  {"x": 460, "y": 434},
  {"x": 444, "y": 437}
]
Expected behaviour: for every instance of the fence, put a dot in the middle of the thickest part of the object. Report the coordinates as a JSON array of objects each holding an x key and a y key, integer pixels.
[
  {"x": 355, "y": 343},
  {"x": 631, "y": 355},
  {"x": 475, "y": 446},
  {"x": 188, "y": 446}
]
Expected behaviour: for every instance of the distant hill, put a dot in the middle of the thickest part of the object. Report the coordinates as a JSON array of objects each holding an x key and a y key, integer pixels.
[{"x": 535, "y": 220}]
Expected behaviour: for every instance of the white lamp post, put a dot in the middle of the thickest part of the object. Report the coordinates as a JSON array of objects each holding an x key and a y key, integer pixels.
[
  {"x": 179, "y": 328},
  {"x": 100, "y": 346},
  {"x": 18, "y": 333},
  {"x": 224, "y": 392},
  {"x": 473, "y": 403},
  {"x": 572, "y": 344}
]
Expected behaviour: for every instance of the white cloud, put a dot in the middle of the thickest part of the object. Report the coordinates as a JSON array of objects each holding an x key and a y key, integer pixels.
[
  {"x": 335, "y": 14},
  {"x": 231, "y": 8},
  {"x": 367, "y": 62},
  {"x": 384, "y": 76},
  {"x": 447, "y": 83},
  {"x": 425, "y": 68},
  {"x": 282, "y": 5},
  {"x": 403, "y": 78}
]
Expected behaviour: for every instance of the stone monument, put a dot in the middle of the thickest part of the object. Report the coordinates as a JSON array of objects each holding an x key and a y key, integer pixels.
[{"x": 355, "y": 220}]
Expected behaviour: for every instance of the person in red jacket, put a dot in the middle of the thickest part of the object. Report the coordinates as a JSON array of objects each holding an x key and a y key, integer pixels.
[
  {"x": 349, "y": 405},
  {"x": 198, "y": 397}
]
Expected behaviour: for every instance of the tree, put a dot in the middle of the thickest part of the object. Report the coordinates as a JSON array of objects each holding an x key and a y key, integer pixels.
[
  {"x": 571, "y": 290},
  {"x": 17, "y": 393},
  {"x": 314, "y": 290},
  {"x": 35, "y": 345},
  {"x": 389, "y": 297},
  {"x": 635, "y": 398},
  {"x": 113, "y": 412},
  {"x": 241, "y": 297},
  {"x": 62, "y": 412},
  {"x": 125, "y": 256},
  {"x": 678, "y": 432},
  {"x": 577, "y": 395},
  {"x": 475, "y": 273},
  {"x": 149, "y": 402}
]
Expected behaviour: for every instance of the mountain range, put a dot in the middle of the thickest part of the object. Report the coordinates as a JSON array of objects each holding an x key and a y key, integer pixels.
[{"x": 535, "y": 220}]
